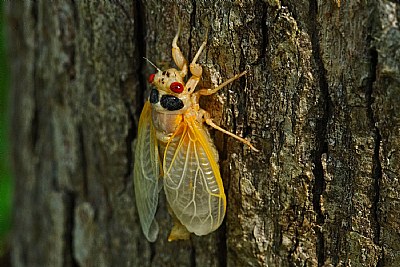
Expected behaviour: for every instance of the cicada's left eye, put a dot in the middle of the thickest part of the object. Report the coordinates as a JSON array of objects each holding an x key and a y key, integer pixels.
[
  {"x": 151, "y": 78},
  {"x": 176, "y": 87}
]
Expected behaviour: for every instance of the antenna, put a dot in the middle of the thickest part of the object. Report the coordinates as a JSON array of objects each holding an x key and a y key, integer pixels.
[{"x": 154, "y": 65}]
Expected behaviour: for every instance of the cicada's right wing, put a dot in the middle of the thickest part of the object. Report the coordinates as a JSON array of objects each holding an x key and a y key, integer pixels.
[
  {"x": 147, "y": 174},
  {"x": 192, "y": 181}
]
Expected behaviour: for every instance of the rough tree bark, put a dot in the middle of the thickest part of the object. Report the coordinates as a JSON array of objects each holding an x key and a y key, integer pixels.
[{"x": 321, "y": 101}]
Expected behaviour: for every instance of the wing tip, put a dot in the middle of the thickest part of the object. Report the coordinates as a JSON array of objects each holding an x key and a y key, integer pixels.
[{"x": 152, "y": 233}]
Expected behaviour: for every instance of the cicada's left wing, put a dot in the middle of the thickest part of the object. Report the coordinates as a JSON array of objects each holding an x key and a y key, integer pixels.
[
  {"x": 192, "y": 181},
  {"x": 147, "y": 174}
]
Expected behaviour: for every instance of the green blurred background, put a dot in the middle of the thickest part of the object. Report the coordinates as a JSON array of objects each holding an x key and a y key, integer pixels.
[{"x": 5, "y": 175}]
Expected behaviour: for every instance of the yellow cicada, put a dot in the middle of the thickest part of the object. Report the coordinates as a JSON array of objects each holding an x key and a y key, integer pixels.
[{"x": 174, "y": 145}]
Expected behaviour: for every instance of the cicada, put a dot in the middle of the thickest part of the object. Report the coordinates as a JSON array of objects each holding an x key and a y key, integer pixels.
[{"x": 174, "y": 151}]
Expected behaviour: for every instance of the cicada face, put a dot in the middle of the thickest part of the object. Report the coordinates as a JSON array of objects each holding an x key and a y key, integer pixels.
[
  {"x": 169, "y": 81},
  {"x": 169, "y": 95}
]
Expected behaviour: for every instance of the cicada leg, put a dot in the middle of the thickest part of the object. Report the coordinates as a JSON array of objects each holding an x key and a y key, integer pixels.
[
  {"x": 196, "y": 69},
  {"x": 211, "y": 91},
  {"x": 209, "y": 121},
  {"x": 177, "y": 54}
]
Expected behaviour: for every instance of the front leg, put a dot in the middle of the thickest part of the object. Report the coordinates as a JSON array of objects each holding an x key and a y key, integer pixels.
[
  {"x": 177, "y": 54},
  {"x": 196, "y": 69}
]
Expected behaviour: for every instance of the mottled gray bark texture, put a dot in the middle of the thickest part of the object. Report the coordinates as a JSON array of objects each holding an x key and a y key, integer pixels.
[{"x": 321, "y": 101}]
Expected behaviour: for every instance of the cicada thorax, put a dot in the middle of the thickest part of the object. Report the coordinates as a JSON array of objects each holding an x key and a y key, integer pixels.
[{"x": 165, "y": 124}]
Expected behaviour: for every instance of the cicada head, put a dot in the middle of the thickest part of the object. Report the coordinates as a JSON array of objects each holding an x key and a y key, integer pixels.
[
  {"x": 169, "y": 81},
  {"x": 168, "y": 94}
]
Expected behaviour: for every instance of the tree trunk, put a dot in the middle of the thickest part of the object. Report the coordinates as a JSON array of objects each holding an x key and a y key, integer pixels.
[{"x": 321, "y": 101}]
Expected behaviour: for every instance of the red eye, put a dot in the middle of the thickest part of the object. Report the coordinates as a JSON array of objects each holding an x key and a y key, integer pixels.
[
  {"x": 151, "y": 78},
  {"x": 176, "y": 87}
]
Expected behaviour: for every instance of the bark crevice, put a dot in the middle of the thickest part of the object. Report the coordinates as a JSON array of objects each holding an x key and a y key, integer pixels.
[
  {"x": 192, "y": 25},
  {"x": 83, "y": 161},
  {"x": 192, "y": 255},
  {"x": 36, "y": 48},
  {"x": 376, "y": 163},
  {"x": 139, "y": 35},
  {"x": 69, "y": 259},
  {"x": 321, "y": 132},
  {"x": 222, "y": 246}
]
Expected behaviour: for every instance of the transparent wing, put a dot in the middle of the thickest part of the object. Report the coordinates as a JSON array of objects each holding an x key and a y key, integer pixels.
[
  {"x": 146, "y": 174},
  {"x": 192, "y": 182}
]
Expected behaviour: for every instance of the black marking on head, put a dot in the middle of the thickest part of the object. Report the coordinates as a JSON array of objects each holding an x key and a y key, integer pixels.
[
  {"x": 154, "y": 98},
  {"x": 168, "y": 74},
  {"x": 164, "y": 73},
  {"x": 171, "y": 103}
]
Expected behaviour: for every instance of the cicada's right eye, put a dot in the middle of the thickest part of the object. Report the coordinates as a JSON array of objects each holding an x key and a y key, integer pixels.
[
  {"x": 151, "y": 78},
  {"x": 176, "y": 87}
]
